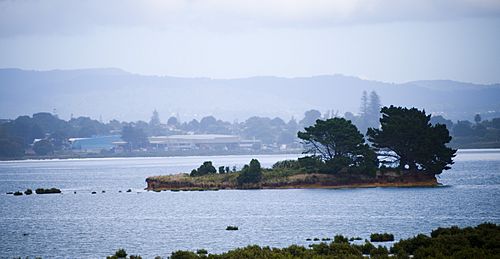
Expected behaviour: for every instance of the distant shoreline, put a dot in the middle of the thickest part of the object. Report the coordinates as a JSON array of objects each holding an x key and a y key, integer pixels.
[
  {"x": 147, "y": 154},
  {"x": 179, "y": 154}
]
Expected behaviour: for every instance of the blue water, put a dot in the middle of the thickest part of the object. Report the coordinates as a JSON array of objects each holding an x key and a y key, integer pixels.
[{"x": 83, "y": 225}]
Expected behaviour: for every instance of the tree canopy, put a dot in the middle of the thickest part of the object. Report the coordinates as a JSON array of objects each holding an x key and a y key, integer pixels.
[
  {"x": 250, "y": 174},
  {"x": 415, "y": 143},
  {"x": 332, "y": 138},
  {"x": 339, "y": 143},
  {"x": 204, "y": 169}
]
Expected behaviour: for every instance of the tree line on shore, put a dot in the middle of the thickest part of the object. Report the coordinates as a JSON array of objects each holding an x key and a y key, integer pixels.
[{"x": 18, "y": 135}]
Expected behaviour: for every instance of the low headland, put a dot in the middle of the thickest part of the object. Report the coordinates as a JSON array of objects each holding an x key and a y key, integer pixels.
[
  {"x": 279, "y": 177},
  {"x": 339, "y": 156}
]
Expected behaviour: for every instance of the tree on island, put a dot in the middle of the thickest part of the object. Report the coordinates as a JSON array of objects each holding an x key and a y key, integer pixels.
[
  {"x": 412, "y": 141},
  {"x": 250, "y": 174},
  {"x": 204, "y": 169},
  {"x": 339, "y": 143}
]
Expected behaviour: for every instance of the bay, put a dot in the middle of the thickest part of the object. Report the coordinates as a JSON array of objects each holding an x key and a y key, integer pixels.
[{"x": 83, "y": 225}]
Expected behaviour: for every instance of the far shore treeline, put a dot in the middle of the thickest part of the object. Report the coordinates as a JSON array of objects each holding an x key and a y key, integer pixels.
[{"x": 45, "y": 135}]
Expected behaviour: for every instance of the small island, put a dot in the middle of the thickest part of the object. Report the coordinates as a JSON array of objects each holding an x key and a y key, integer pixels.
[{"x": 406, "y": 151}]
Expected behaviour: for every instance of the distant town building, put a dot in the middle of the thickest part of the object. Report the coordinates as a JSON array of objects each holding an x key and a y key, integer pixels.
[
  {"x": 94, "y": 144},
  {"x": 202, "y": 142}
]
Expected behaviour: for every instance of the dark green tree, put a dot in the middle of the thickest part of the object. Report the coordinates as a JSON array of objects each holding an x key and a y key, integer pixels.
[
  {"x": 204, "y": 169},
  {"x": 250, "y": 174},
  {"x": 332, "y": 138},
  {"x": 43, "y": 147},
  {"x": 340, "y": 144},
  {"x": 412, "y": 141}
]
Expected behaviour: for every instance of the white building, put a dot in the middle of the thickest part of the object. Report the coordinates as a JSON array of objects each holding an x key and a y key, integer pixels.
[{"x": 202, "y": 142}]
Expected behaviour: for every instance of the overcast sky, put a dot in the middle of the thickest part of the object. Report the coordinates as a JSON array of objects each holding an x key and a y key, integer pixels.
[{"x": 386, "y": 40}]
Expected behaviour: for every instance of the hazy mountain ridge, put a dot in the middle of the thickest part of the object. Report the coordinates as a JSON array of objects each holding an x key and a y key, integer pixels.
[{"x": 114, "y": 93}]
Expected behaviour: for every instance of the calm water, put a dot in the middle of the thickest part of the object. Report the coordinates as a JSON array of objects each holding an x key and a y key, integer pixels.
[{"x": 82, "y": 225}]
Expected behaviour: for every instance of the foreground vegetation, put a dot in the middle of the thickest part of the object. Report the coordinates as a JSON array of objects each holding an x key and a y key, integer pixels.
[{"x": 482, "y": 241}]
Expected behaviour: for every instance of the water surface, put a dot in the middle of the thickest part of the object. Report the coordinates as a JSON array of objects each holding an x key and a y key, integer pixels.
[{"x": 83, "y": 225}]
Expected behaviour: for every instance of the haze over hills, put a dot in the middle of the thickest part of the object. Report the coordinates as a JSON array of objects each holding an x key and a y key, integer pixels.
[{"x": 114, "y": 93}]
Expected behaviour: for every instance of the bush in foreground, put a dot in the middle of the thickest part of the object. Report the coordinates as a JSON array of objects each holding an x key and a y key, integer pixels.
[
  {"x": 381, "y": 237},
  {"x": 482, "y": 241}
]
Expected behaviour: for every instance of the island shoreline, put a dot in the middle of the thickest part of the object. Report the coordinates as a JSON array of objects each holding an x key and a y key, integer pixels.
[{"x": 297, "y": 181}]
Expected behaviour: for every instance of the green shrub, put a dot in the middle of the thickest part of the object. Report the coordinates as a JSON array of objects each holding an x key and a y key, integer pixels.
[
  {"x": 365, "y": 248},
  {"x": 28, "y": 192},
  {"x": 18, "y": 193},
  {"x": 286, "y": 164},
  {"x": 379, "y": 252},
  {"x": 204, "y": 169},
  {"x": 340, "y": 239},
  {"x": 310, "y": 164},
  {"x": 202, "y": 251},
  {"x": 183, "y": 255},
  {"x": 231, "y": 228},
  {"x": 454, "y": 242},
  {"x": 250, "y": 174},
  {"x": 409, "y": 246},
  {"x": 381, "y": 237},
  {"x": 121, "y": 253},
  {"x": 47, "y": 191}
]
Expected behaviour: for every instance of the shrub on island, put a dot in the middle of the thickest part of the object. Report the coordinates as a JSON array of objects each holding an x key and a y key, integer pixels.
[
  {"x": 18, "y": 193},
  {"x": 28, "y": 192},
  {"x": 47, "y": 191},
  {"x": 204, "y": 169},
  {"x": 250, "y": 174}
]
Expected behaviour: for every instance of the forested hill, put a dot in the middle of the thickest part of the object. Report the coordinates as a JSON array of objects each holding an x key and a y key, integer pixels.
[{"x": 113, "y": 93}]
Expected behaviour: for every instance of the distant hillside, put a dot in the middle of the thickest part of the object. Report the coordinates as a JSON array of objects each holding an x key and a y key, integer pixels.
[{"x": 113, "y": 93}]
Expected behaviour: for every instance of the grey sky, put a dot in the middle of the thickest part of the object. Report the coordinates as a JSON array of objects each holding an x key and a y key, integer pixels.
[{"x": 391, "y": 40}]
